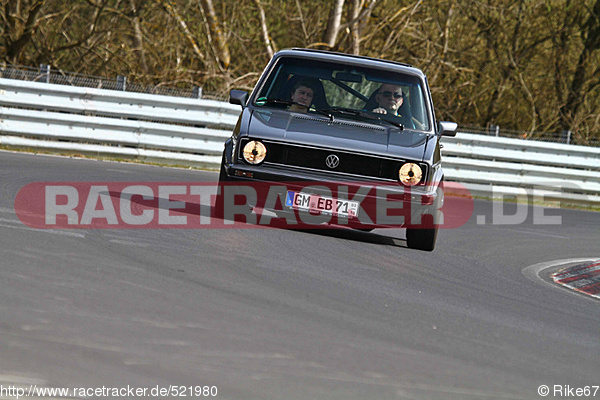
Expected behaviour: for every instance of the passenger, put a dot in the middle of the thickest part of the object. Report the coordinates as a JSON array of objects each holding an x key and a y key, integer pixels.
[
  {"x": 302, "y": 94},
  {"x": 389, "y": 98}
]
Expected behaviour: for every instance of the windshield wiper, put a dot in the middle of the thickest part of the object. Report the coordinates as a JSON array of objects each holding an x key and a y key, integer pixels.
[
  {"x": 344, "y": 110},
  {"x": 395, "y": 123},
  {"x": 263, "y": 101},
  {"x": 366, "y": 114}
]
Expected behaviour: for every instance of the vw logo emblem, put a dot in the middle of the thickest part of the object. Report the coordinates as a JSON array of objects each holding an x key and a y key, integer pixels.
[{"x": 332, "y": 161}]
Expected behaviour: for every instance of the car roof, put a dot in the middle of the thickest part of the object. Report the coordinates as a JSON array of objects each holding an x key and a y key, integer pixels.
[{"x": 350, "y": 59}]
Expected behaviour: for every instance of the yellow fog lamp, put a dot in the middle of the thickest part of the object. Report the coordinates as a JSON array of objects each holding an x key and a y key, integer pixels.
[
  {"x": 410, "y": 174},
  {"x": 254, "y": 152}
]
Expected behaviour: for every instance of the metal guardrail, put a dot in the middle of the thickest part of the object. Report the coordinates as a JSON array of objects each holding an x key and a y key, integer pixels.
[
  {"x": 191, "y": 131},
  {"x": 499, "y": 167},
  {"x": 111, "y": 103},
  {"x": 106, "y": 122},
  {"x": 565, "y": 137}
]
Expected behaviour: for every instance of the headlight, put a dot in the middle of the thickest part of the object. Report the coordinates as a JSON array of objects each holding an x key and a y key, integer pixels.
[
  {"x": 254, "y": 152},
  {"x": 410, "y": 174}
]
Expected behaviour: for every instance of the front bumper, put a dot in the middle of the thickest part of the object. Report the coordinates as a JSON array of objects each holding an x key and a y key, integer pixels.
[{"x": 383, "y": 204}]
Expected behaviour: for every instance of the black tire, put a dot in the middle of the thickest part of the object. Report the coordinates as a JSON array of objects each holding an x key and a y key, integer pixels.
[
  {"x": 421, "y": 239},
  {"x": 424, "y": 237},
  {"x": 218, "y": 209},
  {"x": 222, "y": 174}
]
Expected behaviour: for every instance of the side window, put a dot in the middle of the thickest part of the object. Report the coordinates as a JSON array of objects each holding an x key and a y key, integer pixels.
[{"x": 417, "y": 106}]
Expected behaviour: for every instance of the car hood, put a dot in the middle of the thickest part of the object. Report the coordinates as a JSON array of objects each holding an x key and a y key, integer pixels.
[{"x": 341, "y": 134}]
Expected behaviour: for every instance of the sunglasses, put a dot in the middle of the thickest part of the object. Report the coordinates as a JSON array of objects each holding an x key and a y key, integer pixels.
[{"x": 396, "y": 95}]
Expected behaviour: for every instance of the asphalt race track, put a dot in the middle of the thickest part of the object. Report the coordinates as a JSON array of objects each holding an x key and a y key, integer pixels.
[{"x": 284, "y": 314}]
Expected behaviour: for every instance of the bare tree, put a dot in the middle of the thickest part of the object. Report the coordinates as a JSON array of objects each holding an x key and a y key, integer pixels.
[
  {"x": 360, "y": 11},
  {"x": 138, "y": 37},
  {"x": 217, "y": 38},
  {"x": 587, "y": 73},
  {"x": 355, "y": 26},
  {"x": 264, "y": 29},
  {"x": 172, "y": 11},
  {"x": 302, "y": 23},
  {"x": 333, "y": 23},
  {"x": 21, "y": 19}
]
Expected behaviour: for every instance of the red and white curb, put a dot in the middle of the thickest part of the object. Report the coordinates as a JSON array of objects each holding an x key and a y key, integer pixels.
[{"x": 584, "y": 278}]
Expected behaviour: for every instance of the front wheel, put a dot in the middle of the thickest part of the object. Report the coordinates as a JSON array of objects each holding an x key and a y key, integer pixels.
[
  {"x": 218, "y": 209},
  {"x": 219, "y": 206},
  {"x": 421, "y": 239},
  {"x": 424, "y": 238},
  {"x": 222, "y": 173}
]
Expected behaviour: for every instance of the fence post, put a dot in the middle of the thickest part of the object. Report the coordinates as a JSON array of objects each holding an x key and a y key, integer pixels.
[
  {"x": 197, "y": 92},
  {"x": 565, "y": 136},
  {"x": 121, "y": 83},
  {"x": 494, "y": 130},
  {"x": 45, "y": 71}
]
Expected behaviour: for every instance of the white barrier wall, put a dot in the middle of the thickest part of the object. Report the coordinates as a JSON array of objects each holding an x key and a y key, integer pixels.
[
  {"x": 496, "y": 166},
  {"x": 192, "y": 131}
]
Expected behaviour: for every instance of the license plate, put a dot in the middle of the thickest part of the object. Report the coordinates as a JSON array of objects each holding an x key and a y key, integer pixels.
[{"x": 329, "y": 205}]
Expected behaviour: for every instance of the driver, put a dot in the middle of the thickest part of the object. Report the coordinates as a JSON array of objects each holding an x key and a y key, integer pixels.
[{"x": 389, "y": 99}]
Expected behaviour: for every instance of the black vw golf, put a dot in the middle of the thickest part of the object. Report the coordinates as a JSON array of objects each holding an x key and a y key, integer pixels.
[{"x": 333, "y": 139}]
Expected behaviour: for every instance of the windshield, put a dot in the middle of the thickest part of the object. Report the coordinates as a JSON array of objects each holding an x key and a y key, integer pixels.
[{"x": 359, "y": 93}]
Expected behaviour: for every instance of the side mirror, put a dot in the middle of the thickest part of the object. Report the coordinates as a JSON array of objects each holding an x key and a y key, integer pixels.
[
  {"x": 238, "y": 97},
  {"x": 447, "y": 128}
]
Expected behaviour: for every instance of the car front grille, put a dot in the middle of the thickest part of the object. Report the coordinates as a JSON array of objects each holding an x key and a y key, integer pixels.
[{"x": 358, "y": 165}]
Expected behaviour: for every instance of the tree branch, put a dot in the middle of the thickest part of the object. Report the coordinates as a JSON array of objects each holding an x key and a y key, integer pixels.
[
  {"x": 264, "y": 29},
  {"x": 168, "y": 7}
]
